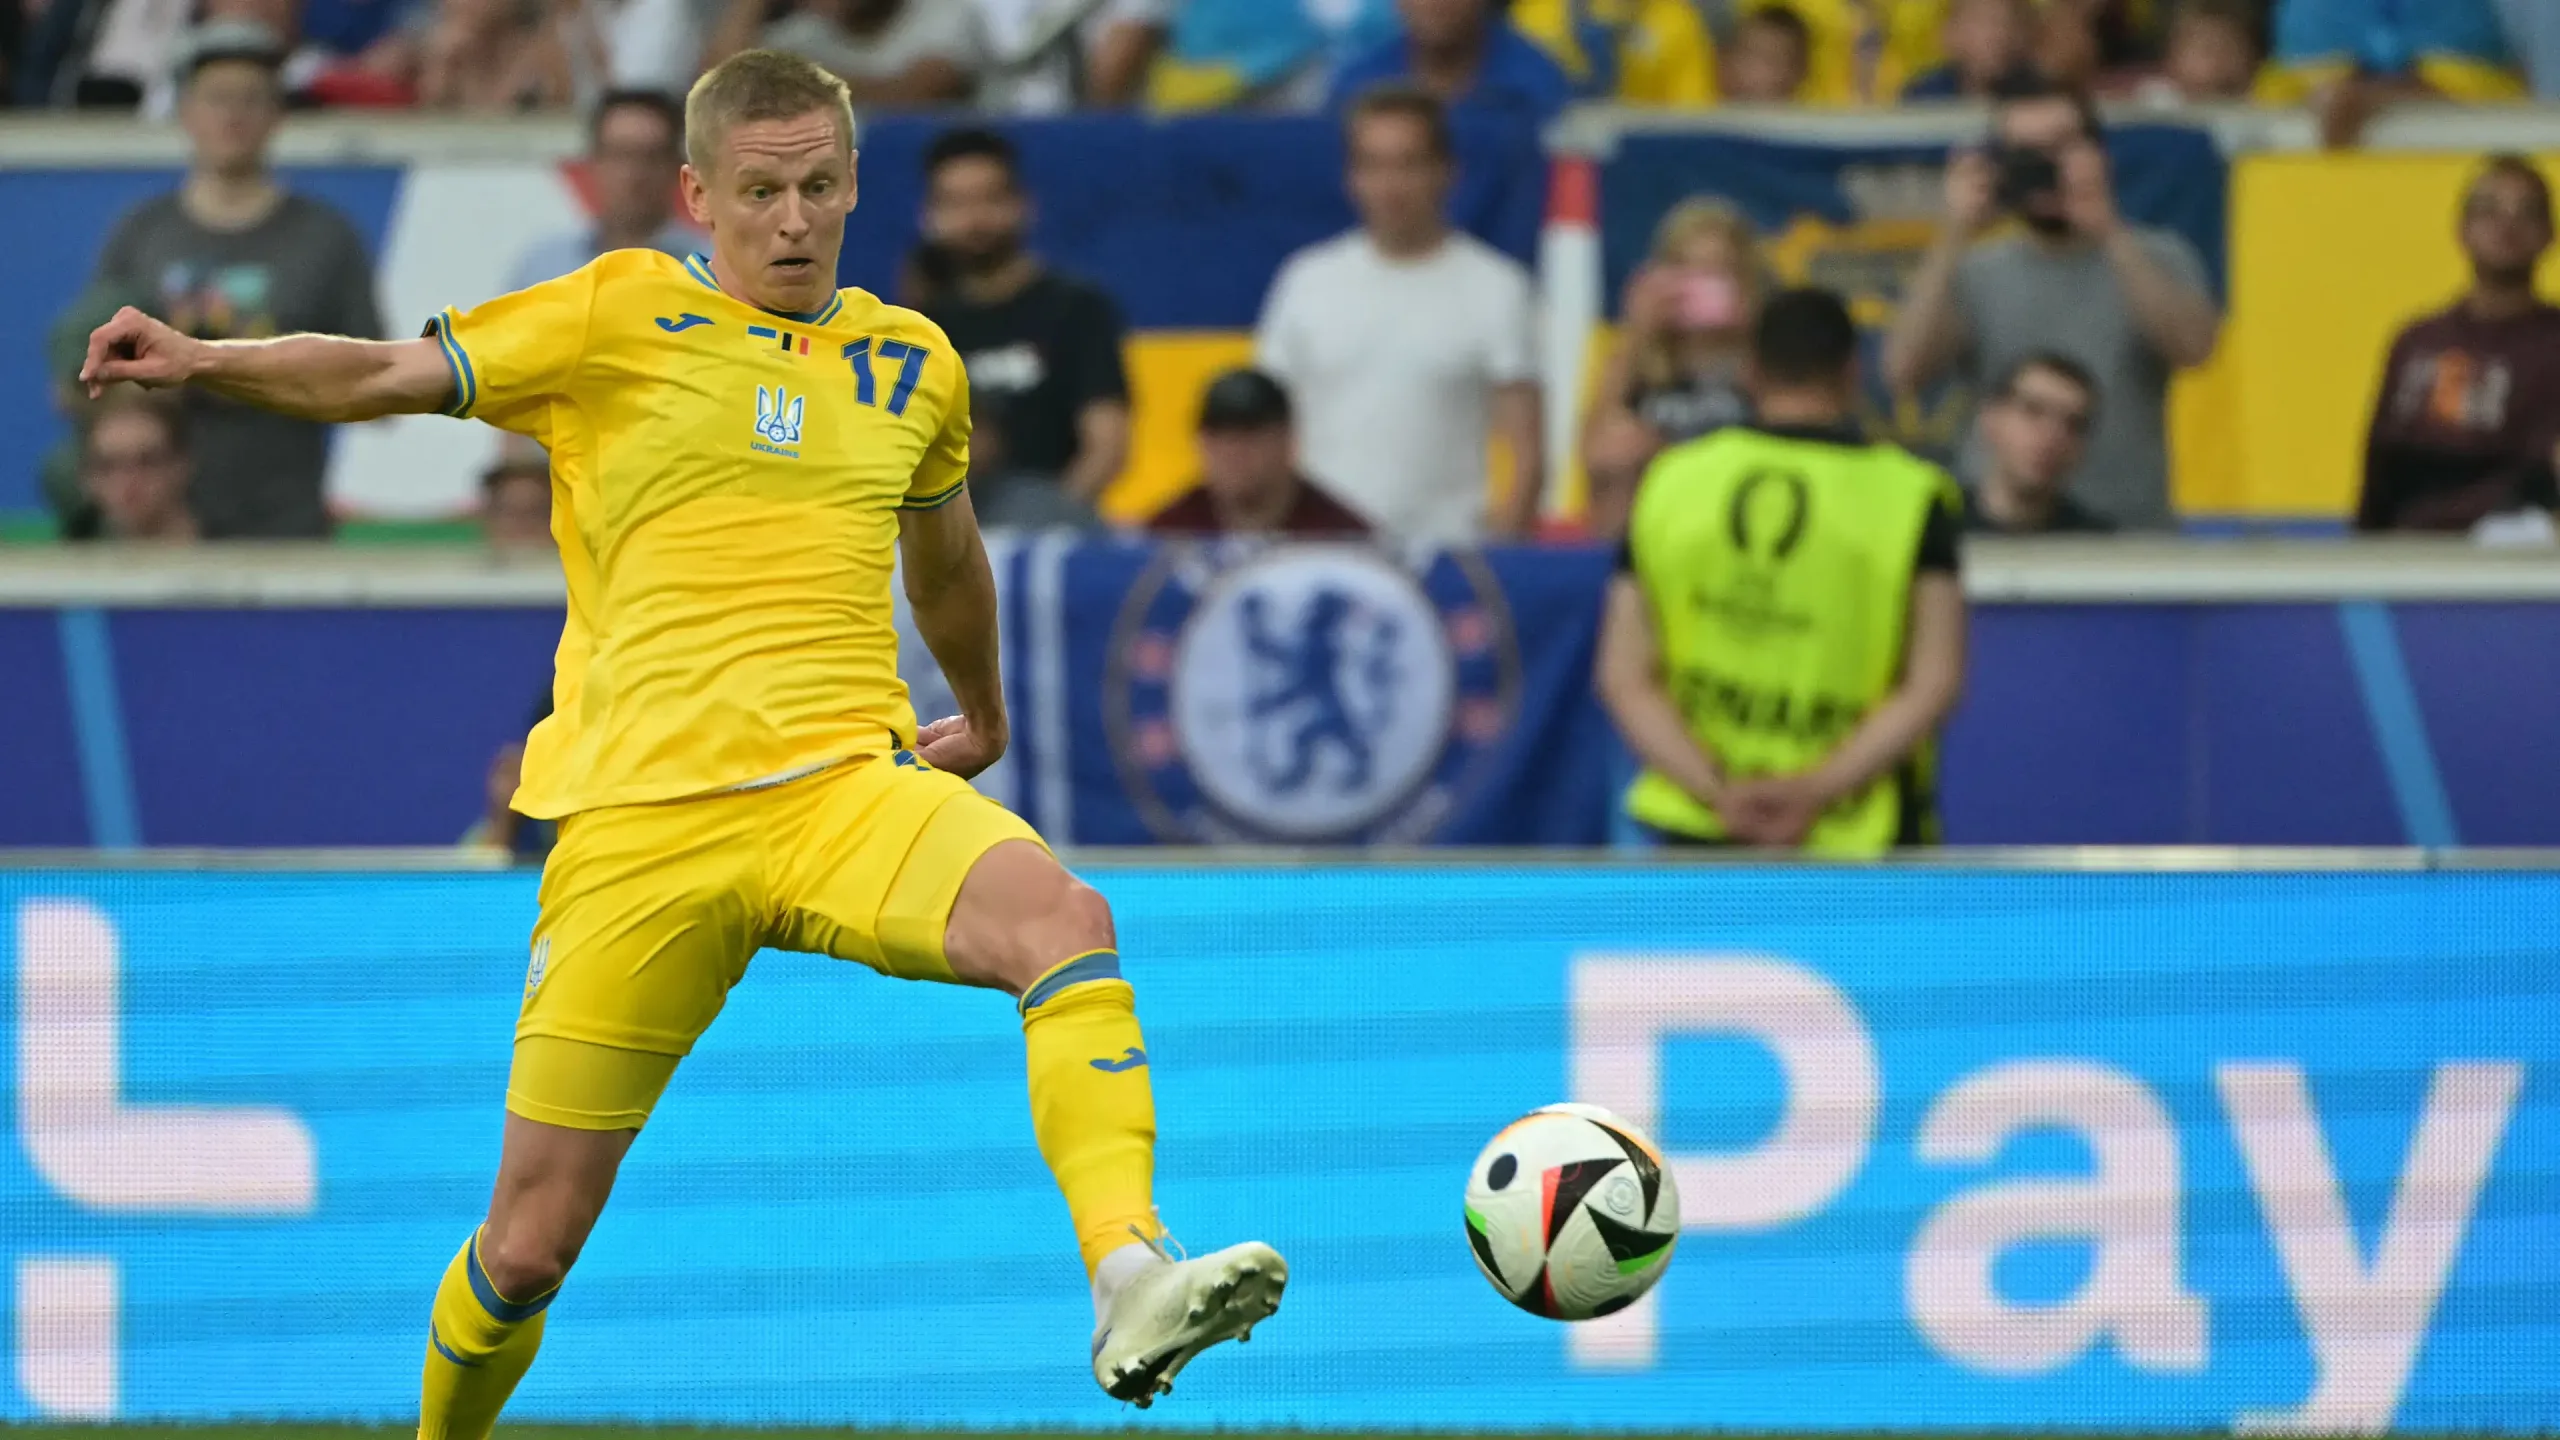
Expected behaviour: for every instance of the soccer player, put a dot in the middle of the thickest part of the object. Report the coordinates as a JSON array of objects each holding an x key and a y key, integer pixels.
[{"x": 736, "y": 446}]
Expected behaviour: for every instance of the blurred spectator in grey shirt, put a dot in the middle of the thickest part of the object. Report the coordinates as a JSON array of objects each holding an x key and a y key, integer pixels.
[
  {"x": 230, "y": 254},
  {"x": 635, "y": 147},
  {"x": 2127, "y": 302}
]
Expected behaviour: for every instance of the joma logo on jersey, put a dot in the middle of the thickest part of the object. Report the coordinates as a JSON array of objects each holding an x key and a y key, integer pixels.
[{"x": 778, "y": 415}]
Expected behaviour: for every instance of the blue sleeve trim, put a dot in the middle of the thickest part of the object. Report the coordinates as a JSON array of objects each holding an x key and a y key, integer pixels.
[
  {"x": 466, "y": 382},
  {"x": 936, "y": 500}
]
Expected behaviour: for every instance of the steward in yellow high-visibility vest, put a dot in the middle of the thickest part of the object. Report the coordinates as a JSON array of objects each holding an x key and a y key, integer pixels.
[{"x": 1787, "y": 628}]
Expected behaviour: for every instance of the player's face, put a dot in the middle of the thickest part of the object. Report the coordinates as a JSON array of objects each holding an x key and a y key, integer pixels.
[
  {"x": 229, "y": 110},
  {"x": 973, "y": 210},
  {"x": 775, "y": 199}
]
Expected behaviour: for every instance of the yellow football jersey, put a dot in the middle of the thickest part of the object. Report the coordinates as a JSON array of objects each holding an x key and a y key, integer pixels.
[{"x": 725, "y": 488}]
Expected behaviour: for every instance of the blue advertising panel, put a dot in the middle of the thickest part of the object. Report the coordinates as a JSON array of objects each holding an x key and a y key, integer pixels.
[{"x": 1962, "y": 1149}]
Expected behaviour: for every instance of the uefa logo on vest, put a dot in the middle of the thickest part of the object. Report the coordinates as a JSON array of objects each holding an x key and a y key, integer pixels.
[{"x": 1307, "y": 694}]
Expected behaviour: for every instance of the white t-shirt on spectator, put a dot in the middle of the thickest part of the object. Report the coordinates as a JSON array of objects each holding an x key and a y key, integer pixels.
[
  {"x": 921, "y": 30},
  {"x": 1392, "y": 365},
  {"x": 1039, "y": 47}
]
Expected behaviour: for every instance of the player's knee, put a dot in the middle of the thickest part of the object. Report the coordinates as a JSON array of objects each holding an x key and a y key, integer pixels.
[
  {"x": 1086, "y": 918},
  {"x": 1073, "y": 920},
  {"x": 524, "y": 1261}
]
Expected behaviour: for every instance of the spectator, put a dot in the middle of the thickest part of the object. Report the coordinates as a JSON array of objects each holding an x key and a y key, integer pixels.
[
  {"x": 2035, "y": 427},
  {"x": 75, "y": 516},
  {"x": 494, "y": 55},
  {"x": 500, "y": 831},
  {"x": 1463, "y": 54},
  {"x": 1249, "y": 480},
  {"x": 360, "y": 52},
  {"x": 2469, "y": 415},
  {"x": 1408, "y": 345},
  {"x": 1050, "y": 58},
  {"x": 1636, "y": 52},
  {"x": 1863, "y": 50},
  {"x": 1769, "y": 58},
  {"x": 1989, "y": 47},
  {"x": 2212, "y": 54},
  {"x": 1786, "y": 630},
  {"x": 515, "y": 497},
  {"x": 1225, "y": 54},
  {"x": 1043, "y": 349},
  {"x": 2127, "y": 302},
  {"x": 232, "y": 254},
  {"x": 896, "y": 54},
  {"x": 2453, "y": 49},
  {"x": 2533, "y": 37},
  {"x": 1676, "y": 371},
  {"x": 651, "y": 46},
  {"x": 134, "y": 466},
  {"x": 2066, "y": 51},
  {"x": 635, "y": 149}
]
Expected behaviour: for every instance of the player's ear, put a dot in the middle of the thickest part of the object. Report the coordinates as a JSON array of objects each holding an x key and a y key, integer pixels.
[
  {"x": 697, "y": 195},
  {"x": 852, "y": 179}
]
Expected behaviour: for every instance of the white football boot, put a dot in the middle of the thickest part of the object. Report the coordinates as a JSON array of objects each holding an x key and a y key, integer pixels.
[{"x": 1169, "y": 1308}]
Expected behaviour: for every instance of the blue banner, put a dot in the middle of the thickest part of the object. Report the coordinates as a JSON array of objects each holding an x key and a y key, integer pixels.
[
  {"x": 1956, "y": 1150},
  {"x": 1327, "y": 695}
]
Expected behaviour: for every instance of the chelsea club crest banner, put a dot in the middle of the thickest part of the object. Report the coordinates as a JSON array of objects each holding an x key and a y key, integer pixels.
[{"x": 1307, "y": 695}]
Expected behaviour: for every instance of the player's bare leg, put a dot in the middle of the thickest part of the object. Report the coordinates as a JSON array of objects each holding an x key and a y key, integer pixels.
[
  {"x": 552, "y": 1184},
  {"x": 1023, "y": 925}
]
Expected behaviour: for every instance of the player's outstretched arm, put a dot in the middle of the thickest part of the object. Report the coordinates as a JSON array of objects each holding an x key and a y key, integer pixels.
[
  {"x": 952, "y": 591},
  {"x": 311, "y": 377}
]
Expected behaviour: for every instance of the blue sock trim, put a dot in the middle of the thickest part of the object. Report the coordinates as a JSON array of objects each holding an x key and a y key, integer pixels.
[
  {"x": 446, "y": 1351},
  {"x": 1082, "y": 970},
  {"x": 500, "y": 1307}
]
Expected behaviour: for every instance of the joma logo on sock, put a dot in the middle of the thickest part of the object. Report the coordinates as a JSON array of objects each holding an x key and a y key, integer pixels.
[{"x": 1131, "y": 1060}]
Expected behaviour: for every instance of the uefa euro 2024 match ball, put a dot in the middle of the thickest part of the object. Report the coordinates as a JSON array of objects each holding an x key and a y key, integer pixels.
[{"x": 1571, "y": 1213}]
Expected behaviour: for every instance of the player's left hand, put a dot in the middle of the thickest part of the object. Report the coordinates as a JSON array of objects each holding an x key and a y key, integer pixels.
[{"x": 953, "y": 744}]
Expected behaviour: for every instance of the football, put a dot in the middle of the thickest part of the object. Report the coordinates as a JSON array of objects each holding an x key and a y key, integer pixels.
[{"x": 1571, "y": 1213}]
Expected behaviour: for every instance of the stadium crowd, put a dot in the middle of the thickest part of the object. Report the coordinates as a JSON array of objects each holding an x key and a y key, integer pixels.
[{"x": 2070, "y": 325}]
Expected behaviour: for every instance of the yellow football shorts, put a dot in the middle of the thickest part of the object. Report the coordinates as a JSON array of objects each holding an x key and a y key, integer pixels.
[{"x": 649, "y": 913}]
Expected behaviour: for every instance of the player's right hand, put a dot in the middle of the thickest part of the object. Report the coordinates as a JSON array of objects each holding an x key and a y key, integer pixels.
[
  {"x": 953, "y": 744},
  {"x": 133, "y": 346},
  {"x": 1973, "y": 192}
]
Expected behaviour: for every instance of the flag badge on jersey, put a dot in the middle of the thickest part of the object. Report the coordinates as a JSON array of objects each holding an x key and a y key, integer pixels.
[{"x": 784, "y": 340}]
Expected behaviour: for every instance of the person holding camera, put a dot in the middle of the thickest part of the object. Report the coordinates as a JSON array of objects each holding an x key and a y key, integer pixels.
[{"x": 2127, "y": 302}]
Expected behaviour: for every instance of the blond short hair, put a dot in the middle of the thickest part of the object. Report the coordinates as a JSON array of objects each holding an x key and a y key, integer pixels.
[{"x": 759, "y": 85}]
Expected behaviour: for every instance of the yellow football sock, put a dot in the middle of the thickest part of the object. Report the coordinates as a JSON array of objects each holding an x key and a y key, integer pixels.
[
  {"x": 1091, "y": 1106},
  {"x": 479, "y": 1345}
]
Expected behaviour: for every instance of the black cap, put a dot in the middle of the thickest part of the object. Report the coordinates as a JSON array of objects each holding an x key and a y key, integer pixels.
[{"x": 1244, "y": 400}]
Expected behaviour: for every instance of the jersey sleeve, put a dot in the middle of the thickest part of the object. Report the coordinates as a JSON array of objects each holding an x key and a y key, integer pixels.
[
  {"x": 517, "y": 350},
  {"x": 943, "y": 473}
]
